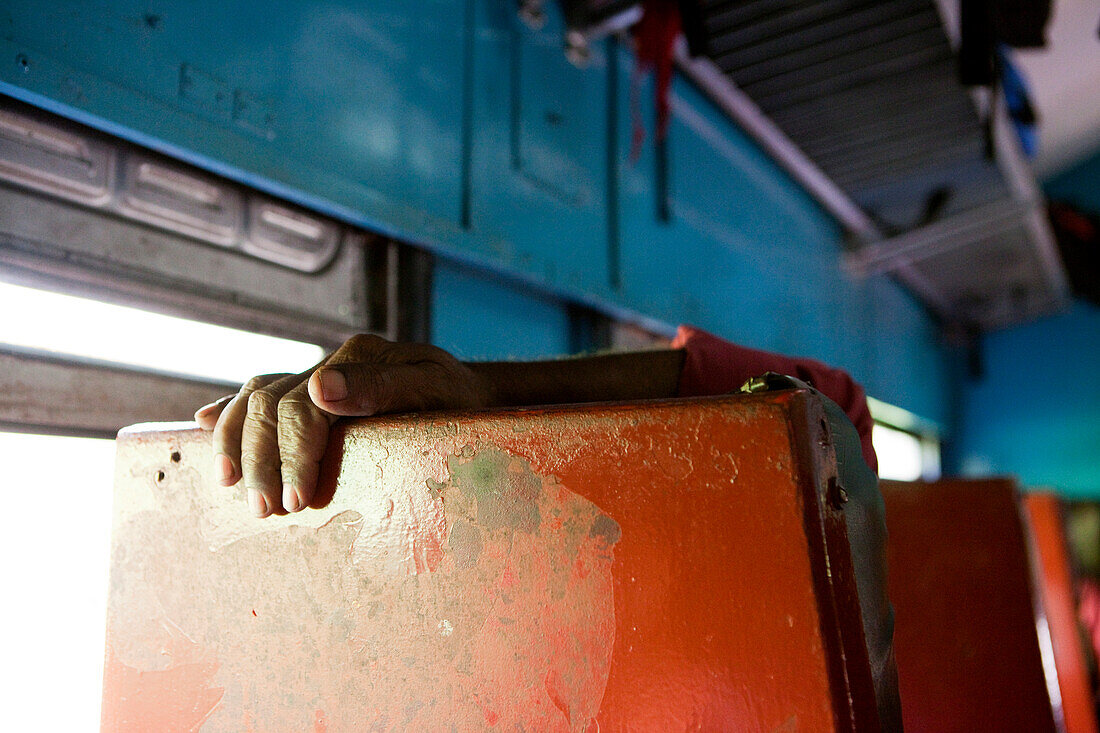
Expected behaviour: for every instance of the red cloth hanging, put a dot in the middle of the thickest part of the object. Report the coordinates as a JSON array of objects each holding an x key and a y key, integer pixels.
[
  {"x": 654, "y": 48},
  {"x": 714, "y": 366}
]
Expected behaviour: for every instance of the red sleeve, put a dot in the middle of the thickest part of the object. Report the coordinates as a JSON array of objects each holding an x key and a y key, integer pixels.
[{"x": 714, "y": 366}]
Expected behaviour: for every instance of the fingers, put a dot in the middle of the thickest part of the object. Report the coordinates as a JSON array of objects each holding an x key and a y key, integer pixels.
[
  {"x": 303, "y": 430},
  {"x": 207, "y": 415},
  {"x": 283, "y": 438},
  {"x": 273, "y": 433},
  {"x": 227, "y": 430},
  {"x": 259, "y": 448}
]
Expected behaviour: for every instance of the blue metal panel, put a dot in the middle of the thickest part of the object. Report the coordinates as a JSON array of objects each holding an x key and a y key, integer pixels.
[
  {"x": 1079, "y": 184},
  {"x": 741, "y": 236},
  {"x": 751, "y": 257},
  {"x": 449, "y": 124},
  {"x": 745, "y": 253},
  {"x": 358, "y": 103},
  {"x": 1036, "y": 412},
  {"x": 477, "y": 316},
  {"x": 905, "y": 362},
  {"x": 539, "y": 173}
]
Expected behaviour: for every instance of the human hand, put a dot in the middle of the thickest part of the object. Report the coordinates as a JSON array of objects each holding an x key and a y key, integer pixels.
[{"x": 273, "y": 432}]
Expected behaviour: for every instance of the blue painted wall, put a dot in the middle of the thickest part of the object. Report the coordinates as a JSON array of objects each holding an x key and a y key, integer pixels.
[
  {"x": 1036, "y": 412},
  {"x": 1079, "y": 184},
  {"x": 477, "y": 316},
  {"x": 449, "y": 124}
]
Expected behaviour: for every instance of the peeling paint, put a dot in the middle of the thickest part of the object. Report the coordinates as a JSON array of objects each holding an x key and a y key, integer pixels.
[
  {"x": 607, "y": 528},
  {"x": 363, "y": 600},
  {"x": 505, "y": 490},
  {"x": 625, "y": 567},
  {"x": 464, "y": 543}
]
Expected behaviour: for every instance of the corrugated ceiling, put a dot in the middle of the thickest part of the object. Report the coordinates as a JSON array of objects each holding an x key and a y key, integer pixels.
[{"x": 868, "y": 91}]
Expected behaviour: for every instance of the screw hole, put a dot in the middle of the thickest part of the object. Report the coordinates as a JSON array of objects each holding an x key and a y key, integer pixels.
[
  {"x": 160, "y": 476},
  {"x": 176, "y": 456}
]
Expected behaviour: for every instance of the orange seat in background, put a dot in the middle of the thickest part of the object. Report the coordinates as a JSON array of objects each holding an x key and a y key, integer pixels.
[
  {"x": 1050, "y": 558},
  {"x": 652, "y": 566},
  {"x": 965, "y": 634}
]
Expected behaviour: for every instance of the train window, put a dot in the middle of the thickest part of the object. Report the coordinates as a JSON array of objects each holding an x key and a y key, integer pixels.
[
  {"x": 62, "y": 354},
  {"x": 65, "y": 324},
  {"x": 908, "y": 448},
  {"x": 117, "y": 223},
  {"x": 54, "y": 577},
  {"x": 899, "y": 453}
]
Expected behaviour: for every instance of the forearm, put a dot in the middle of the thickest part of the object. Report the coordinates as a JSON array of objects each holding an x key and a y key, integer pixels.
[
  {"x": 272, "y": 434},
  {"x": 605, "y": 377}
]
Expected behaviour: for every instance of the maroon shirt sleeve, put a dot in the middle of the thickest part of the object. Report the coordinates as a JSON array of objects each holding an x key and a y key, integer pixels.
[{"x": 714, "y": 366}]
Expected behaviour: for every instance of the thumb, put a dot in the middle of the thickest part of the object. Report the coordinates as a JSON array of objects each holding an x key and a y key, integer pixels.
[{"x": 369, "y": 389}]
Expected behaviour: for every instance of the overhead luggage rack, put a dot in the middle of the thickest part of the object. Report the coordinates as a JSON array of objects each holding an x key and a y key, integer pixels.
[{"x": 861, "y": 101}]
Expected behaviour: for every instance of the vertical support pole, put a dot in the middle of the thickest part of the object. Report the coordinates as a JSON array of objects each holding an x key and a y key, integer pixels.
[{"x": 415, "y": 273}]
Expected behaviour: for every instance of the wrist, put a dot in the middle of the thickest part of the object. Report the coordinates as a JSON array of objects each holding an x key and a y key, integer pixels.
[
  {"x": 485, "y": 378},
  {"x": 601, "y": 378}
]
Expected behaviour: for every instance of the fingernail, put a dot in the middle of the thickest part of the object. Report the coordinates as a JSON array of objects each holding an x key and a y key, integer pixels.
[
  {"x": 291, "y": 501},
  {"x": 205, "y": 410},
  {"x": 258, "y": 503},
  {"x": 333, "y": 385},
  {"x": 226, "y": 471}
]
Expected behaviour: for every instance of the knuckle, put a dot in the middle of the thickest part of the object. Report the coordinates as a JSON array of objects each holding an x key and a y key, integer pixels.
[
  {"x": 303, "y": 432},
  {"x": 365, "y": 343},
  {"x": 293, "y": 467},
  {"x": 262, "y": 403},
  {"x": 254, "y": 384},
  {"x": 292, "y": 408},
  {"x": 429, "y": 353},
  {"x": 299, "y": 417},
  {"x": 262, "y": 381},
  {"x": 257, "y": 462},
  {"x": 437, "y": 372}
]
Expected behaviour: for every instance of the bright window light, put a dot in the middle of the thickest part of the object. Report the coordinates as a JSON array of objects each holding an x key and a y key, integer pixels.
[
  {"x": 88, "y": 328},
  {"x": 55, "y": 545},
  {"x": 899, "y": 453}
]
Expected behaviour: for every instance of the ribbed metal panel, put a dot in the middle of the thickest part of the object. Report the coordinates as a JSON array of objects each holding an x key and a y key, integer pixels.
[
  {"x": 1007, "y": 259},
  {"x": 98, "y": 217},
  {"x": 868, "y": 90}
]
